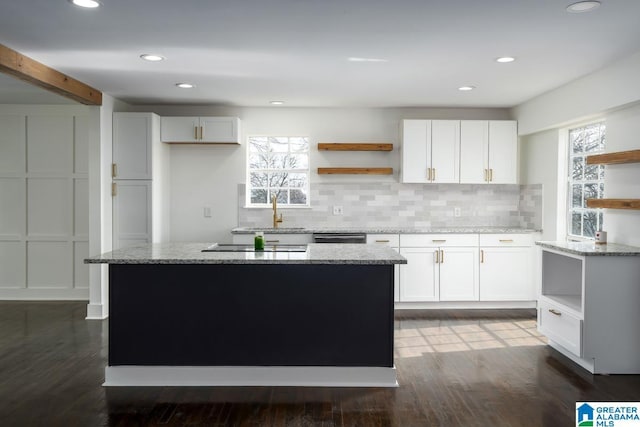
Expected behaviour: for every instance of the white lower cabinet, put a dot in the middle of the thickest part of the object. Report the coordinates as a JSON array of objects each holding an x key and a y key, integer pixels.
[
  {"x": 439, "y": 267},
  {"x": 132, "y": 213},
  {"x": 506, "y": 267},
  {"x": 561, "y": 326}
]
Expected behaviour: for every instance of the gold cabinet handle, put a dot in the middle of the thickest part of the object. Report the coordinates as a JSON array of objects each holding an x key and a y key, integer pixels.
[
  {"x": 272, "y": 241},
  {"x": 114, "y": 189},
  {"x": 439, "y": 240},
  {"x": 434, "y": 174},
  {"x": 437, "y": 253},
  {"x": 490, "y": 175},
  {"x": 441, "y": 257},
  {"x": 428, "y": 174},
  {"x": 195, "y": 136},
  {"x": 382, "y": 241},
  {"x": 486, "y": 175},
  {"x": 555, "y": 312},
  {"x": 506, "y": 240},
  {"x": 114, "y": 170},
  {"x": 481, "y": 256},
  {"x": 201, "y": 132}
]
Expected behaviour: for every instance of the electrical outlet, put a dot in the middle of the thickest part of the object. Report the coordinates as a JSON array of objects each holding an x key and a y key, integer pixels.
[
  {"x": 337, "y": 210},
  {"x": 207, "y": 212},
  {"x": 456, "y": 212}
]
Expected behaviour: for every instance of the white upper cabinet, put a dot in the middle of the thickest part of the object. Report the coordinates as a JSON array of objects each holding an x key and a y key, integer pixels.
[
  {"x": 488, "y": 151},
  {"x": 190, "y": 130},
  {"x": 430, "y": 151},
  {"x": 132, "y": 145}
]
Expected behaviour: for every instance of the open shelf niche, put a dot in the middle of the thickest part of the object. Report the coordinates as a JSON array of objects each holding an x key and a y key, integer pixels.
[{"x": 355, "y": 146}]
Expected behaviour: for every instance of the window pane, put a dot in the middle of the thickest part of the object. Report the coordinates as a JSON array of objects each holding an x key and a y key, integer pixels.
[
  {"x": 591, "y": 172},
  {"x": 258, "y": 179},
  {"x": 279, "y": 145},
  {"x": 259, "y": 196},
  {"x": 299, "y": 144},
  {"x": 297, "y": 180},
  {"x": 298, "y": 197},
  {"x": 258, "y": 161},
  {"x": 576, "y": 196},
  {"x": 589, "y": 223},
  {"x": 280, "y": 193},
  {"x": 278, "y": 179},
  {"x": 590, "y": 192},
  {"x": 592, "y": 139},
  {"x": 576, "y": 140},
  {"x": 601, "y": 192},
  {"x": 298, "y": 161},
  {"x": 279, "y": 161},
  {"x": 578, "y": 166},
  {"x": 258, "y": 145},
  {"x": 576, "y": 224}
]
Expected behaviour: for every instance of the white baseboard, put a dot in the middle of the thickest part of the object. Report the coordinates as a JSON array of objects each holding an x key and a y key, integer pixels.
[
  {"x": 480, "y": 305},
  {"x": 96, "y": 312},
  {"x": 586, "y": 364},
  {"x": 43, "y": 294},
  {"x": 279, "y": 376}
]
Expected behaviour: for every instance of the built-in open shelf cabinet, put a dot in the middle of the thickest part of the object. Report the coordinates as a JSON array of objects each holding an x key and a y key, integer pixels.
[
  {"x": 355, "y": 171},
  {"x": 617, "y": 158}
]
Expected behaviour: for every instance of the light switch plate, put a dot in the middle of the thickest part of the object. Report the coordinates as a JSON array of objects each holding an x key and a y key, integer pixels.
[{"x": 207, "y": 212}]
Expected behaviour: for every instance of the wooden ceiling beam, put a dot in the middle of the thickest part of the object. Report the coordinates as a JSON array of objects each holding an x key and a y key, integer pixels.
[{"x": 38, "y": 74}]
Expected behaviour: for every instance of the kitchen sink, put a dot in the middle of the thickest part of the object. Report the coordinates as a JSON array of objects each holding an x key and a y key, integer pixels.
[{"x": 216, "y": 247}]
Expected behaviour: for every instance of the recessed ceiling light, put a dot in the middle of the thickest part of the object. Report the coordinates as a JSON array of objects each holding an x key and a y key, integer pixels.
[
  {"x": 359, "y": 59},
  {"x": 89, "y": 4},
  {"x": 466, "y": 88},
  {"x": 152, "y": 58},
  {"x": 583, "y": 6},
  {"x": 276, "y": 102},
  {"x": 505, "y": 59},
  {"x": 185, "y": 85}
]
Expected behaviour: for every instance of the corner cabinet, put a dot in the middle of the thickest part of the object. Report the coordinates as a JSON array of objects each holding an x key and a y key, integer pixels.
[
  {"x": 200, "y": 130},
  {"x": 488, "y": 152},
  {"x": 430, "y": 151}
]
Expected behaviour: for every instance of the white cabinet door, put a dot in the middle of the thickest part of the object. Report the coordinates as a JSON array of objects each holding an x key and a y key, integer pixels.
[
  {"x": 506, "y": 274},
  {"x": 416, "y": 150},
  {"x": 419, "y": 277},
  {"x": 132, "y": 142},
  {"x": 219, "y": 129},
  {"x": 132, "y": 216},
  {"x": 503, "y": 151},
  {"x": 474, "y": 152},
  {"x": 459, "y": 274},
  {"x": 180, "y": 129},
  {"x": 445, "y": 151}
]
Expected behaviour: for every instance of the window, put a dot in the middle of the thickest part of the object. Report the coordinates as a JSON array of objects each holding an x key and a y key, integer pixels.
[
  {"x": 278, "y": 166},
  {"x": 585, "y": 181}
]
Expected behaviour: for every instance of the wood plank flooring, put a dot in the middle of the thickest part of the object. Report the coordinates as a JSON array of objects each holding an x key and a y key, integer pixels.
[{"x": 455, "y": 368}]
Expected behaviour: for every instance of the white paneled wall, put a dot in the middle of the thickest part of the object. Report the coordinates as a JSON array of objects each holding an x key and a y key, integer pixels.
[{"x": 44, "y": 203}]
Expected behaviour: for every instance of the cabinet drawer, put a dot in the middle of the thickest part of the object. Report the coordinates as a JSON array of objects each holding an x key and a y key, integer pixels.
[
  {"x": 384, "y": 239},
  {"x": 506, "y": 239},
  {"x": 274, "y": 238},
  {"x": 437, "y": 240},
  {"x": 560, "y": 326}
]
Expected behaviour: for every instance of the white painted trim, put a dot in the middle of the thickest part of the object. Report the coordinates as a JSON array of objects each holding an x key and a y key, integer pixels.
[
  {"x": 480, "y": 305},
  {"x": 588, "y": 365},
  {"x": 96, "y": 312},
  {"x": 278, "y": 376},
  {"x": 42, "y": 294}
]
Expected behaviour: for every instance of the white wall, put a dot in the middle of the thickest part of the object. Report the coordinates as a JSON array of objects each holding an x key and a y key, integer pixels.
[
  {"x": 209, "y": 175},
  {"x": 613, "y": 94}
]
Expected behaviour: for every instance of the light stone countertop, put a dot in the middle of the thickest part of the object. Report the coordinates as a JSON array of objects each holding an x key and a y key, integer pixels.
[
  {"x": 591, "y": 249},
  {"x": 190, "y": 253},
  {"x": 385, "y": 230}
]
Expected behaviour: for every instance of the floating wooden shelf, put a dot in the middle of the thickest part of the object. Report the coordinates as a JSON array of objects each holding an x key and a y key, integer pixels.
[
  {"x": 614, "y": 203},
  {"x": 354, "y": 146},
  {"x": 355, "y": 171},
  {"x": 617, "y": 158}
]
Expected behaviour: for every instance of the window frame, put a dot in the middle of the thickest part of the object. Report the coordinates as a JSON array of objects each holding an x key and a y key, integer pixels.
[
  {"x": 307, "y": 171},
  {"x": 570, "y": 182}
]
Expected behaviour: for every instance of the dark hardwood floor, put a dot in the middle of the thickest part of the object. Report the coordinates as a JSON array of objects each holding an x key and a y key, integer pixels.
[{"x": 455, "y": 368}]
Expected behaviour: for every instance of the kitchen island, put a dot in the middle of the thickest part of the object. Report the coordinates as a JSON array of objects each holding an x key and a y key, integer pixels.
[{"x": 179, "y": 316}]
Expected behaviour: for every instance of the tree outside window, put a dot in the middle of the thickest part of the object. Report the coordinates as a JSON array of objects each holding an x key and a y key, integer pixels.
[
  {"x": 585, "y": 181},
  {"x": 278, "y": 166}
]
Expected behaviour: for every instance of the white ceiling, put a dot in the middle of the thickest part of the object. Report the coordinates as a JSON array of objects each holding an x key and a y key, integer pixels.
[{"x": 249, "y": 52}]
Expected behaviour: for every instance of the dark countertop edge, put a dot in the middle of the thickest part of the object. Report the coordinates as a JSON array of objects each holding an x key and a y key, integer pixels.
[
  {"x": 625, "y": 250},
  {"x": 443, "y": 230}
]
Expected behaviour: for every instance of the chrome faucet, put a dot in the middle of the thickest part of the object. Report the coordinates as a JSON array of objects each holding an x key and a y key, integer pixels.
[{"x": 274, "y": 205}]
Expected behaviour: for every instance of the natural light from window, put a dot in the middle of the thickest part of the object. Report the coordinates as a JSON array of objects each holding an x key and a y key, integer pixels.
[
  {"x": 585, "y": 181},
  {"x": 278, "y": 166}
]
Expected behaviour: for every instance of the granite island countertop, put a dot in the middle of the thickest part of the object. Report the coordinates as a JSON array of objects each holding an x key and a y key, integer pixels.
[
  {"x": 590, "y": 248},
  {"x": 385, "y": 230},
  {"x": 191, "y": 253}
]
